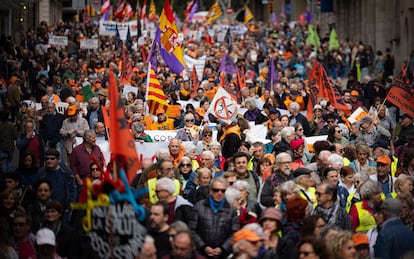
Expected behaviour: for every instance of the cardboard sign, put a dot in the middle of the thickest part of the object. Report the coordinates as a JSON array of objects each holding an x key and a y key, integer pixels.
[
  {"x": 58, "y": 40},
  {"x": 89, "y": 44}
]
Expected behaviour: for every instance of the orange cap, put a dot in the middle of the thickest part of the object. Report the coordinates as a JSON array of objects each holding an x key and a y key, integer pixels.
[
  {"x": 200, "y": 111},
  {"x": 354, "y": 93},
  {"x": 384, "y": 160},
  {"x": 246, "y": 234},
  {"x": 72, "y": 110},
  {"x": 159, "y": 111},
  {"x": 360, "y": 239}
]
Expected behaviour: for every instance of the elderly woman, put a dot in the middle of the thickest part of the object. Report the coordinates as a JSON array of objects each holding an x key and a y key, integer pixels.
[
  {"x": 335, "y": 136},
  {"x": 190, "y": 131},
  {"x": 185, "y": 168},
  {"x": 404, "y": 184},
  {"x": 180, "y": 208},
  {"x": 362, "y": 212},
  {"x": 288, "y": 190},
  {"x": 198, "y": 189},
  {"x": 363, "y": 163},
  {"x": 233, "y": 197},
  {"x": 298, "y": 148},
  {"x": 252, "y": 111},
  {"x": 219, "y": 160},
  {"x": 137, "y": 130},
  {"x": 206, "y": 139},
  {"x": 245, "y": 202},
  {"x": 340, "y": 245}
]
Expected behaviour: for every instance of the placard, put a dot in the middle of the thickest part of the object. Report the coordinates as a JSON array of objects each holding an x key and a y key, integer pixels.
[
  {"x": 58, "y": 40},
  {"x": 89, "y": 44}
]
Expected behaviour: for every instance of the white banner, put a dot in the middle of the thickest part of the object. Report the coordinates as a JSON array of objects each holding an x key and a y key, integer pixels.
[
  {"x": 223, "y": 107},
  {"x": 199, "y": 65},
  {"x": 58, "y": 40},
  {"x": 89, "y": 44},
  {"x": 161, "y": 135},
  {"x": 129, "y": 88},
  {"x": 107, "y": 28}
]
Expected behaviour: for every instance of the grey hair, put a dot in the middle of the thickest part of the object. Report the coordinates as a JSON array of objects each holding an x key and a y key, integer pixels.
[
  {"x": 138, "y": 126},
  {"x": 287, "y": 131},
  {"x": 94, "y": 99},
  {"x": 401, "y": 179},
  {"x": 166, "y": 184},
  {"x": 162, "y": 151},
  {"x": 215, "y": 143},
  {"x": 219, "y": 179},
  {"x": 88, "y": 133},
  {"x": 231, "y": 194},
  {"x": 239, "y": 184},
  {"x": 336, "y": 159},
  {"x": 294, "y": 106},
  {"x": 149, "y": 239},
  {"x": 209, "y": 153},
  {"x": 288, "y": 186},
  {"x": 324, "y": 153},
  {"x": 256, "y": 227},
  {"x": 179, "y": 226},
  {"x": 362, "y": 176},
  {"x": 251, "y": 101},
  {"x": 369, "y": 188},
  {"x": 282, "y": 155}
]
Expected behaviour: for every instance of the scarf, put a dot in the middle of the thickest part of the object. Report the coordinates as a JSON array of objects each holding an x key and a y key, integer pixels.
[
  {"x": 216, "y": 206},
  {"x": 234, "y": 129},
  {"x": 329, "y": 215}
]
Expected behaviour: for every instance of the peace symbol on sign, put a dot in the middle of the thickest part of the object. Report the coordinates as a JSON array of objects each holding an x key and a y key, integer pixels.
[{"x": 224, "y": 108}]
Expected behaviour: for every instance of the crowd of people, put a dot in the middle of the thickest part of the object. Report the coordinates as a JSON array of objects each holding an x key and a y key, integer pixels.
[{"x": 214, "y": 191}]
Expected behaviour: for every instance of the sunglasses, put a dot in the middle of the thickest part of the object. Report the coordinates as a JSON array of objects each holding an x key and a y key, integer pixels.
[
  {"x": 186, "y": 165},
  {"x": 94, "y": 169},
  {"x": 50, "y": 158},
  {"x": 339, "y": 131},
  {"x": 207, "y": 135},
  {"x": 218, "y": 190},
  {"x": 330, "y": 121},
  {"x": 189, "y": 120}
]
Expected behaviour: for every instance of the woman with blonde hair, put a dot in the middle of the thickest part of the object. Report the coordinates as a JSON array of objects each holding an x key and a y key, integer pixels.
[
  {"x": 404, "y": 184},
  {"x": 340, "y": 245}
]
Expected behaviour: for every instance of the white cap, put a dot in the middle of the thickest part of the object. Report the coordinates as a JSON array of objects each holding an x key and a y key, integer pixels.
[{"x": 45, "y": 236}]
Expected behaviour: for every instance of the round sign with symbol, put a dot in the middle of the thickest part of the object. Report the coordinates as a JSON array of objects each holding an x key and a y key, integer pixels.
[{"x": 224, "y": 108}]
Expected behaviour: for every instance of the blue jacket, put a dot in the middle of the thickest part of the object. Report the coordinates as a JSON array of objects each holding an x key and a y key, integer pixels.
[{"x": 394, "y": 240}]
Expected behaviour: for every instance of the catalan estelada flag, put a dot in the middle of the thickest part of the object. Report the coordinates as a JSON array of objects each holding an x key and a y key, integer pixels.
[
  {"x": 167, "y": 38},
  {"x": 121, "y": 142},
  {"x": 155, "y": 94}
]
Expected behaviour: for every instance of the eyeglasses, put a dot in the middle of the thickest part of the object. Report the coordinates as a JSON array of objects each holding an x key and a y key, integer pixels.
[
  {"x": 94, "y": 169},
  {"x": 207, "y": 135},
  {"x": 218, "y": 190},
  {"x": 330, "y": 121},
  {"x": 300, "y": 129},
  {"x": 167, "y": 169},
  {"x": 306, "y": 253},
  {"x": 186, "y": 165},
  {"x": 50, "y": 158},
  {"x": 319, "y": 193},
  {"x": 189, "y": 120}
]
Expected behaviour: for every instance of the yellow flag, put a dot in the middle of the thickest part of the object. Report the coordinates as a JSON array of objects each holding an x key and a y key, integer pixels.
[
  {"x": 248, "y": 15},
  {"x": 214, "y": 12}
]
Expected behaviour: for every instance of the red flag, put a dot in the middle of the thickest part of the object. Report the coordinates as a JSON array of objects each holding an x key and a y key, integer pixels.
[
  {"x": 314, "y": 84},
  {"x": 332, "y": 92},
  {"x": 143, "y": 53},
  {"x": 241, "y": 78},
  {"x": 121, "y": 143},
  {"x": 194, "y": 78}
]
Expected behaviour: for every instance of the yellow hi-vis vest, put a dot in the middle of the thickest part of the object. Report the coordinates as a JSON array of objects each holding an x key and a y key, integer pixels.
[
  {"x": 366, "y": 219},
  {"x": 152, "y": 185}
]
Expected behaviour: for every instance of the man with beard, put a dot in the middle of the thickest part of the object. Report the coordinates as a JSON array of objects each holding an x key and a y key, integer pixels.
[
  {"x": 281, "y": 174},
  {"x": 158, "y": 228}
]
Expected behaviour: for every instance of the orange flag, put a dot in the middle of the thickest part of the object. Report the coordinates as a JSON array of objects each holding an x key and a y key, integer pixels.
[
  {"x": 332, "y": 92},
  {"x": 121, "y": 143}
]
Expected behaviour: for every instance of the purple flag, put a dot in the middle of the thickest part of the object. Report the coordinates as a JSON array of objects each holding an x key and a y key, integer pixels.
[
  {"x": 272, "y": 75},
  {"x": 227, "y": 65},
  {"x": 308, "y": 17},
  {"x": 193, "y": 11}
]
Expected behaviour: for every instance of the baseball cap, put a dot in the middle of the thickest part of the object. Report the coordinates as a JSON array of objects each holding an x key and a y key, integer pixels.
[
  {"x": 392, "y": 205},
  {"x": 72, "y": 110},
  {"x": 384, "y": 160},
  {"x": 45, "y": 236},
  {"x": 360, "y": 239},
  {"x": 72, "y": 82},
  {"x": 159, "y": 111},
  {"x": 246, "y": 234},
  {"x": 301, "y": 171},
  {"x": 294, "y": 144},
  {"x": 317, "y": 107}
]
